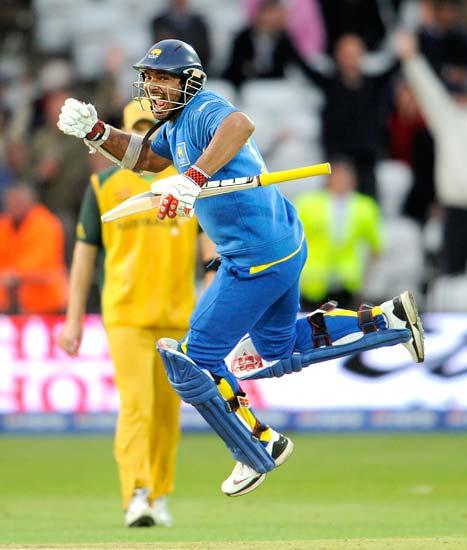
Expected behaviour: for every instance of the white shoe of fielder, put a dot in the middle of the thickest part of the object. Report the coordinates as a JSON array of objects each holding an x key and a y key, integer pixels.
[
  {"x": 402, "y": 312},
  {"x": 244, "y": 479},
  {"x": 139, "y": 513},
  {"x": 160, "y": 512}
]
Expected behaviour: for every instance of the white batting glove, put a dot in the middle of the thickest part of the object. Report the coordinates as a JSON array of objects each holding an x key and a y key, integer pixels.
[
  {"x": 80, "y": 120},
  {"x": 179, "y": 194}
]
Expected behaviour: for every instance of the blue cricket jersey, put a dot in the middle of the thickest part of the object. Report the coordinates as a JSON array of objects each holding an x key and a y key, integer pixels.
[{"x": 251, "y": 227}]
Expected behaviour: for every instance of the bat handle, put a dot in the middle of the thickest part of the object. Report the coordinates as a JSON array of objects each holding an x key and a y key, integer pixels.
[{"x": 295, "y": 173}]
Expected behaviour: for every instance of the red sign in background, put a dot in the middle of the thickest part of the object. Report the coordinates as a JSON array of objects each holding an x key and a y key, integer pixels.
[{"x": 37, "y": 377}]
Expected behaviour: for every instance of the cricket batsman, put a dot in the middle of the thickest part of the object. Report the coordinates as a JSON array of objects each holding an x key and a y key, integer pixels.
[{"x": 262, "y": 249}]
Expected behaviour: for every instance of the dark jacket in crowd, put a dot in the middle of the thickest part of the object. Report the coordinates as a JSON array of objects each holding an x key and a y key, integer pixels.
[
  {"x": 352, "y": 116},
  {"x": 242, "y": 65},
  {"x": 360, "y": 17},
  {"x": 189, "y": 27}
]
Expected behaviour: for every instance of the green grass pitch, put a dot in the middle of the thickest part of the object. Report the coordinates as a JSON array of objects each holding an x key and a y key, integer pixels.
[{"x": 336, "y": 492}]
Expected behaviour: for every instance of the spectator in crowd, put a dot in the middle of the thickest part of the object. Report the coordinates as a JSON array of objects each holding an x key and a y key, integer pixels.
[
  {"x": 180, "y": 22},
  {"x": 33, "y": 276},
  {"x": 304, "y": 24},
  {"x": 447, "y": 118},
  {"x": 12, "y": 147},
  {"x": 263, "y": 49},
  {"x": 442, "y": 36},
  {"x": 409, "y": 141},
  {"x": 55, "y": 73},
  {"x": 147, "y": 290},
  {"x": 6, "y": 173},
  {"x": 16, "y": 100},
  {"x": 108, "y": 96},
  {"x": 343, "y": 226},
  {"x": 364, "y": 18},
  {"x": 352, "y": 122},
  {"x": 59, "y": 168}
]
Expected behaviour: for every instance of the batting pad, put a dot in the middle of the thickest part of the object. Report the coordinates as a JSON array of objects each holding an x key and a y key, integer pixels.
[
  {"x": 248, "y": 365},
  {"x": 196, "y": 387}
]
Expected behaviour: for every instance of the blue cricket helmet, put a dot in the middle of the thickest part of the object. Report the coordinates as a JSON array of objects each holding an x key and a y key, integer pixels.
[{"x": 172, "y": 56}]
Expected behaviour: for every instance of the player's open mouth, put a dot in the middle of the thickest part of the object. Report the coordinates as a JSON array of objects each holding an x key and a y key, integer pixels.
[{"x": 160, "y": 102}]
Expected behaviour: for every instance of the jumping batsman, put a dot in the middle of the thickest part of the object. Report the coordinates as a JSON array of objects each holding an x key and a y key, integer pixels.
[{"x": 261, "y": 245}]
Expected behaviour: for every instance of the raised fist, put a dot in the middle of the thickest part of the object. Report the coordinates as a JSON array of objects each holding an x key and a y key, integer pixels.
[
  {"x": 405, "y": 44},
  {"x": 80, "y": 120}
]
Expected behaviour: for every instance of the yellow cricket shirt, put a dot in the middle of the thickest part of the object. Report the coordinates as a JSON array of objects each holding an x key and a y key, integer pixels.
[{"x": 147, "y": 266}]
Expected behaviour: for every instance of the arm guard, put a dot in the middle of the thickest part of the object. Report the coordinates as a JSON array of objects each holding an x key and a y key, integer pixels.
[{"x": 132, "y": 153}]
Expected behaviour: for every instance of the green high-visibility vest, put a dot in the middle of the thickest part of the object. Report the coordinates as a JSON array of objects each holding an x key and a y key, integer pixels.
[{"x": 340, "y": 259}]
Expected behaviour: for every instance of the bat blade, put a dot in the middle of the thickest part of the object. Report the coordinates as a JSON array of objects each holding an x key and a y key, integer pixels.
[
  {"x": 148, "y": 200},
  {"x": 133, "y": 205}
]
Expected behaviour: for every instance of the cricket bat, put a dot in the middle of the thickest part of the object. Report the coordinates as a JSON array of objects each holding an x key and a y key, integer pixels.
[{"x": 148, "y": 200}]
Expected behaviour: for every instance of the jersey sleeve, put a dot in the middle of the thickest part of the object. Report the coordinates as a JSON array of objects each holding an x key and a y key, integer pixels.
[
  {"x": 88, "y": 229},
  {"x": 211, "y": 114},
  {"x": 160, "y": 144}
]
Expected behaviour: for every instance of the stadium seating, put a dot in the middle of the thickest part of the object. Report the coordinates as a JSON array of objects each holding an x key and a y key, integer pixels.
[
  {"x": 397, "y": 269},
  {"x": 448, "y": 292},
  {"x": 393, "y": 180},
  {"x": 224, "y": 88},
  {"x": 402, "y": 264},
  {"x": 288, "y": 125},
  {"x": 224, "y": 19}
]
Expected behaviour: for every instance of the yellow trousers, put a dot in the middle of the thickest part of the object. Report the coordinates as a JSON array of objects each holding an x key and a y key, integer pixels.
[{"x": 148, "y": 424}]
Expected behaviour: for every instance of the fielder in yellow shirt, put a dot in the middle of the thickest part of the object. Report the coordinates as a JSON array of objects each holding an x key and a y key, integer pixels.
[{"x": 147, "y": 282}]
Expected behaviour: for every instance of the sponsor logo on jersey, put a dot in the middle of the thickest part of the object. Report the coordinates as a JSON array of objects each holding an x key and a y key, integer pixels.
[{"x": 206, "y": 103}]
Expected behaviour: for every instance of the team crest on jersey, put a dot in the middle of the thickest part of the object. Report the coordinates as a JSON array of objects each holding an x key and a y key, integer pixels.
[
  {"x": 155, "y": 53},
  {"x": 182, "y": 155}
]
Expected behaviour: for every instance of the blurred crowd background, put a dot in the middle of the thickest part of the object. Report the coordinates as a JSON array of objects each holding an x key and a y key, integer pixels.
[{"x": 322, "y": 82}]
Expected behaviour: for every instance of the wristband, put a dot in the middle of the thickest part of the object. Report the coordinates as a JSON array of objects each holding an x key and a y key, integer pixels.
[
  {"x": 197, "y": 175},
  {"x": 98, "y": 130}
]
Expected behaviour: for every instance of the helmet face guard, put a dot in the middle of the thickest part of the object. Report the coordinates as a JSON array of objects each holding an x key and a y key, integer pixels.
[
  {"x": 177, "y": 59},
  {"x": 192, "y": 82}
]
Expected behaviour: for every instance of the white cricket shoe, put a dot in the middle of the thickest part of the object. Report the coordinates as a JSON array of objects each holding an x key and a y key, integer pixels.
[
  {"x": 139, "y": 513},
  {"x": 160, "y": 512},
  {"x": 402, "y": 312},
  {"x": 280, "y": 448},
  {"x": 244, "y": 479}
]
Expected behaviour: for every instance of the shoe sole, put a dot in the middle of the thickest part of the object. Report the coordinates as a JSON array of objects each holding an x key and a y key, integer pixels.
[
  {"x": 143, "y": 521},
  {"x": 254, "y": 484},
  {"x": 415, "y": 326},
  {"x": 285, "y": 453}
]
